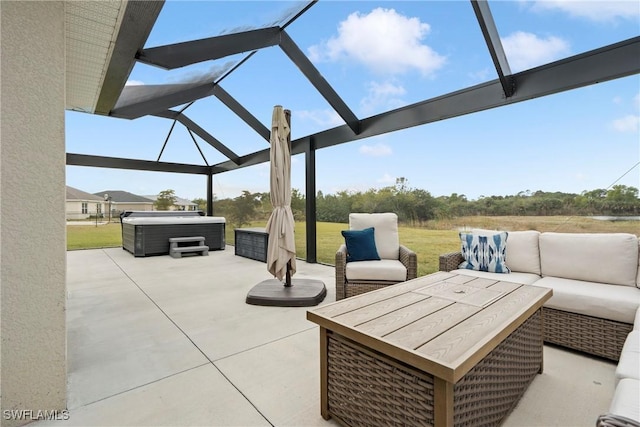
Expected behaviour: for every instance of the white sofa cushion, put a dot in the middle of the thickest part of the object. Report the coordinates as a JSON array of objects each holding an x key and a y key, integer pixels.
[
  {"x": 515, "y": 277},
  {"x": 523, "y": 250},
  {"x": 626, "y": 399},
  {"x": 385, "y": 231},
  {"x": 613, "y": 302},
  {"x": 636, "y": 323},
  {"x": 629, "y": 363},
  {"x": 383, "y": 270},
  {"x": 605, "y": 258}
]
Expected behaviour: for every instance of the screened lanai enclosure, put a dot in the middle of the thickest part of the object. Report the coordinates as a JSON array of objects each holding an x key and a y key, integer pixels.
[{"x": 192, "y": 82}]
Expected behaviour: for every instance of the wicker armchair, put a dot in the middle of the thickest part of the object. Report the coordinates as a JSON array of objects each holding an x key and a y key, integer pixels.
[{"x": 387, "y": 241}]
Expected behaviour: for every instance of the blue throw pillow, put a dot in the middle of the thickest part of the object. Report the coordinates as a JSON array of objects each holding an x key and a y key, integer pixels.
[
  {"x": 361, "y": 245},
  {"x": 484, "y": 253}
]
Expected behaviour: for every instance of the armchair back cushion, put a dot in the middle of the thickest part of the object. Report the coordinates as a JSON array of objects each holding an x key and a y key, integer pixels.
[
  {"x": 593, "y": 257},
  {"x": 385, "y": 231}
]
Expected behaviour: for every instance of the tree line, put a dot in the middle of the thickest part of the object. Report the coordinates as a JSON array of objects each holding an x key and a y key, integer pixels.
[{"x": 416, "y": 206}]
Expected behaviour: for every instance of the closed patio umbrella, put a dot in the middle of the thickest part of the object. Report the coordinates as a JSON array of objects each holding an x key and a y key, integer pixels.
[
  {"x": 281, "y": 247},
  {"x": 281, "y": 250}
]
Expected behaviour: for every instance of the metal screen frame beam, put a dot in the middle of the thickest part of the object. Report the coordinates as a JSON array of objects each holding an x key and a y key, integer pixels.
[
  {"x": 134, "y": 164},
  {"x": 494, "y": 44},
  {"x": 241, "y": 112},
  {"x": 155, "y": 105},
  {"x": 312, "y": 74},
  {"x": 179, "y": 55},
  {"x": 195, "y": 128},
  {"x": 137, "y": 23},
  {"x": 608, "y": 63}
]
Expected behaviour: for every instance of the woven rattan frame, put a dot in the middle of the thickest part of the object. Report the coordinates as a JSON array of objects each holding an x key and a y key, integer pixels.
[
  {"x": 366, "y": 388},
  {"x": 345, "y": 289},
  {"x": 450, "y": 261},
  {"x": 369, "y": 389},
  {"x": 593, "y": 335},
  {"x": 612, "y": 420}
]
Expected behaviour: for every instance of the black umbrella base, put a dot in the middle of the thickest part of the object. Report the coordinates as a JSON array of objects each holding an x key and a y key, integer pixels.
[{"x": 301, "y": 293}]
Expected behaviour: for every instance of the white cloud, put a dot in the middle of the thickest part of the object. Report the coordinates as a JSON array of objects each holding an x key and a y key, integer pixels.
[
  {"x": 482, "y": 75},
  {"x": 595, "y": 10},
  {"x": 377, "y": 150},
  {"x": 386, "y": 179},
  {"x": 134, "y": 83},
  {"x": 628, "y": 123},
  {"x": 526, "y": 50},
  {"x": 386, "y": 94},
  {"x": 325, "y": 118},
  {"x": 383, "y": 40}
]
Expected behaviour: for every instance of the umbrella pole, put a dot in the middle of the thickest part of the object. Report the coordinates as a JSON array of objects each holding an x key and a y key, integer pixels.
[
  {"x": 287, "y": 116},
  {"x": 287, "y": 278}
]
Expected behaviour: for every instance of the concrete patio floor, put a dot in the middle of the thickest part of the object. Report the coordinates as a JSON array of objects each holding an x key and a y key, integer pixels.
[{"x": 159, "y": 341}]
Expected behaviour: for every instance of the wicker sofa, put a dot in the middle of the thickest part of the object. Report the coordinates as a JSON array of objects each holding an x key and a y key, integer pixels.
[
  {"x": 595, "y": 280},
  {"x": 624, "y": 409},
  {"x": 595, "y": 307}
]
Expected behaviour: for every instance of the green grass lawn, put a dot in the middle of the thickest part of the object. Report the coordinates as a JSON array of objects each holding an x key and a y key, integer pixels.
[
  {"x": 428, "y": 244},
  {"x": 437, "y": 237},
  {"x": 89, "y": 236}
]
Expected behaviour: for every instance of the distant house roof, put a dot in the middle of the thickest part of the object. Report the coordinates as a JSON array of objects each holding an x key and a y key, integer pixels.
[
  {"x": 179, "y": 200},
  {"x": 118, "y": 196},
  {"x": 75, "y": 194}
]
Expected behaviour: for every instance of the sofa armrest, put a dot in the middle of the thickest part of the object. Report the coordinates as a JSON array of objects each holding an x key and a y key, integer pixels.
[
  {"x": 409, "y": 259},
  {"x": 341, "y": 266},
  {"x": 450, "y": 261},
  {"x": 612, "y": 420}
]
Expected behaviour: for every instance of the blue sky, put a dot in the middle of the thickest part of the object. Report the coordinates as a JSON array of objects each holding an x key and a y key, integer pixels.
[{"x": 379, "y": 56}]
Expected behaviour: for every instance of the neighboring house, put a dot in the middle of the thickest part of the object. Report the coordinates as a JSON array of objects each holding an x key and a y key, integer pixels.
[
  {"x": 180, "y": 205},
  {"x": 82, "y": 205},
  {"x": 119, "y": 201}
]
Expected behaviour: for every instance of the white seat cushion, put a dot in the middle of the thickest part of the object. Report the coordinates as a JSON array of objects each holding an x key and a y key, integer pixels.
[
  {"x": 636, "y": 323},
  {"x": 515, "y": 277},
  {"x": 613, "y": 302},
  {"x": 383, "y": 270},
  {"x": 626, "y": 399},
  {"x": 523, "y": 250},
  {"x": 385, "y": 231},
  {"x": 629, "y": 363},
  {"x": 596, "y": 257}
]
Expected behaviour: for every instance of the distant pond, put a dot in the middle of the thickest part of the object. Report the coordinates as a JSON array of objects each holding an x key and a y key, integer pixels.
[{"x": 616, "y": 218}]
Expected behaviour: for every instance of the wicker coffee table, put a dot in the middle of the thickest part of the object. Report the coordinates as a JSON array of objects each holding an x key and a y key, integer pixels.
[{"x": 442, "y": 349}]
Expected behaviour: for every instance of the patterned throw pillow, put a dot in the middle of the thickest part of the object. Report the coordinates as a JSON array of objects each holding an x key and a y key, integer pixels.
[{"x": 484, "y": 252}]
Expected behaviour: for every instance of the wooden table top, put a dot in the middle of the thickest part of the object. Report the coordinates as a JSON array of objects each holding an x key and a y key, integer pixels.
[{"x": 443, "y": 323}]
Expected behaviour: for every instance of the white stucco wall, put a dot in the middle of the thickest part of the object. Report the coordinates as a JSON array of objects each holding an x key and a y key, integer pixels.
[{"x": 32, "y": 209}]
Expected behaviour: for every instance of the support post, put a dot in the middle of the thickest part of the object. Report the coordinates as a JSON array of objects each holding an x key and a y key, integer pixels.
[
  {"x": 310, "y": 201},
  {"x": 210, "y": 193}
]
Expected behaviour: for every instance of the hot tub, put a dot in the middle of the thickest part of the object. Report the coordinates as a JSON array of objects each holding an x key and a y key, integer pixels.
[{"x": 147, "y": 235}]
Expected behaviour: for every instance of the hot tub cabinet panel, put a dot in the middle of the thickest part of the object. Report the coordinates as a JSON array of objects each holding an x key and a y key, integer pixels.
[{"x": 147, "y": 236}]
